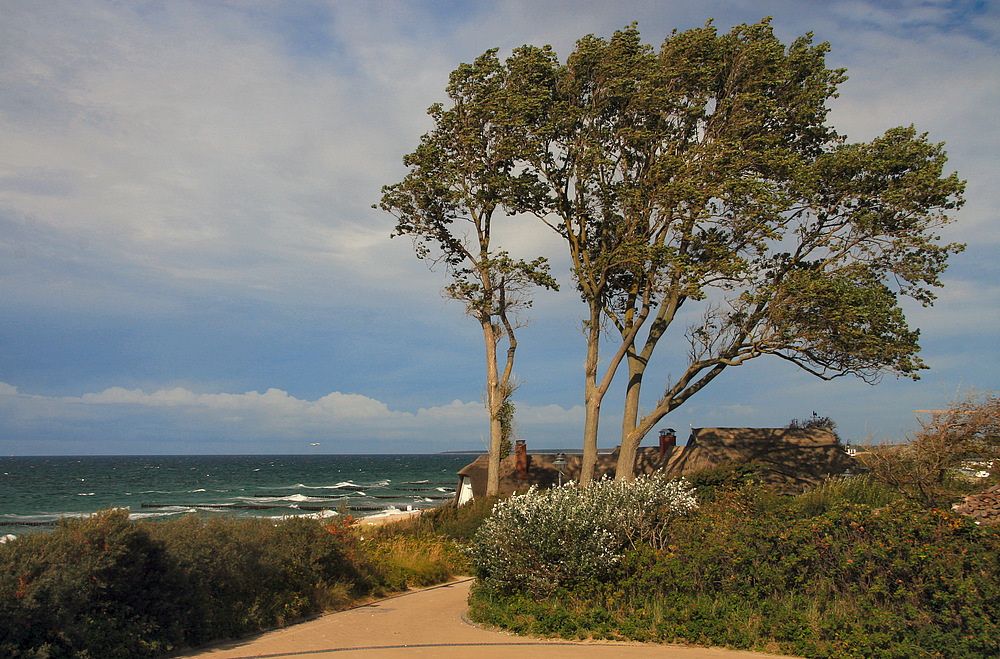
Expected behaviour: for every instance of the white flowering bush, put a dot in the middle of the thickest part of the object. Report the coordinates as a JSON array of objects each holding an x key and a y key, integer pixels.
[{"x": 543, "y": 539}]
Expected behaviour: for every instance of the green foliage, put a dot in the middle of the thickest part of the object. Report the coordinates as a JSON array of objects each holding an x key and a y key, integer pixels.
[
  {"x": 93, "y": 588},
  {"x": 854, "y": 581},
  {"x": 108, "y": 587},
  {"x": 705, "y": 169},
  {"x": 455, "y": 523},
  {"x": 460, "y": 523},
  {"x": 727, "y": 475},
  {"x": 243, "y": 575},
  {"x": 541, "y": 540},
  {"x": 403, "y": 561},
  {"x": 862, "y": 490}
]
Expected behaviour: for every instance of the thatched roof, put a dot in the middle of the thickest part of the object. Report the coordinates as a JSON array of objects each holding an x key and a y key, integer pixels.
[
  {"x": 541, "y": 471},
  {"x": 793, "y": 459}
]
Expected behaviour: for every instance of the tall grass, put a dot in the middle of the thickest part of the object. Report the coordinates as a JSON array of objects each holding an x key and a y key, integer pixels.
[{"x": 862, "y": 490}]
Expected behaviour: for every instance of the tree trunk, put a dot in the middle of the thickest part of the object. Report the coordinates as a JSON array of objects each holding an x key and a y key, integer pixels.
[
  {"x": 632, "y": 434},
  {"x": 494, "y": 400},
  {"x": 592, "y": 399},
  {"x": 625, "y": 469},
  {"x": 592, "y": 409}
]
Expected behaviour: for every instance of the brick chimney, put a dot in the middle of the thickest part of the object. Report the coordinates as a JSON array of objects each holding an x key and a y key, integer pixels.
[
  {"x": 521, "y": 459},
  {"x": 668, "y": 439}
]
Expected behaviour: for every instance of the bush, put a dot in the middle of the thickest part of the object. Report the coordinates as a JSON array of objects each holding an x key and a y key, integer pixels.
[
  {"x": 245, "y": 575},
  {"x": 725, "y": 476},
  {"x": 568, "y": 535},
  {"x": 93, "y": 588},
  {"x": 924, "y": 469},
  {"x": 408, "y": 561},
  {"x": 898, "y": 581},
  {"x": 457, "y": 523},
  {"x": 108, "y": 587}
]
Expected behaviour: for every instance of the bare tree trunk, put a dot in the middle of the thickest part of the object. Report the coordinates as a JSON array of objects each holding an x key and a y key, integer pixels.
[
  {"x": 631, "y": 435},
  {"x": 494, "y": 401},
  {"x": 592, "y": 408},
  {"x": 625, "y": 469},
  {"x": 592, "y": 397}
]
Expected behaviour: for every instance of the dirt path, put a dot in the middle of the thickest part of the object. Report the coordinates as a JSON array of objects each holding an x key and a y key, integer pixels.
[{"x": 430, "y": 623}]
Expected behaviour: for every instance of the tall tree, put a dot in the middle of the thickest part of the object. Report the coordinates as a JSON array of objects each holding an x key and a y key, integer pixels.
[
  {"x": 706, "y": 174},
  {"x": 566, "y": 115},
  {"x": 461, "y": 176}
]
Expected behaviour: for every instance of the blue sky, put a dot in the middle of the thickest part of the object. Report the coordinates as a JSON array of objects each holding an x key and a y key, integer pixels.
[{"x": 189, "y": 261}]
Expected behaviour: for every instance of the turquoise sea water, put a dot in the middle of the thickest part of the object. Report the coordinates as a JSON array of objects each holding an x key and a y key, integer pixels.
[{"x": 35, "y": 492}]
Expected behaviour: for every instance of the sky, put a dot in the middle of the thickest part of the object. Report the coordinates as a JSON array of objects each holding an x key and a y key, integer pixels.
[{"x": 190, "y": 262}]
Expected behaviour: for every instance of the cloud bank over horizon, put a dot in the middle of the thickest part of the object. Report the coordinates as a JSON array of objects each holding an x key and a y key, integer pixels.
[
  {"x": 189, "y": 260},
  {"x": 258, "y": 422}
]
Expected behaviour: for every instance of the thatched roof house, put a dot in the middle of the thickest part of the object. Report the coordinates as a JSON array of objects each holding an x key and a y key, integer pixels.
[{"x": 793, "y": 459}]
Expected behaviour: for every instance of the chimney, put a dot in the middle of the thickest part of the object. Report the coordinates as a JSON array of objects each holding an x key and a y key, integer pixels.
[
  {"x": 521, "y": 459},
  {"x": 667, "y": 440}
]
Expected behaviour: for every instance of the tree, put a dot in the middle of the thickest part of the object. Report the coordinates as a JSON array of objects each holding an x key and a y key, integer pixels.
[
  {"x": 923, "y": 469},
  {"x": 566, "y": 115},
  {"x": 460, "y": 181},
  {"x": 706, "y": 173}
]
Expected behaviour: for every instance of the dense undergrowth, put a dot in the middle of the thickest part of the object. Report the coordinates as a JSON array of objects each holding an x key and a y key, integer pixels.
[
  {"x": 109, "y": 587},
  {"x": 843, "y": 571},
  {"x": 846, "y": 570}
]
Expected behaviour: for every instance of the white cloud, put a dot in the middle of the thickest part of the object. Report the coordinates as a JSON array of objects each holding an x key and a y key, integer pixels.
[
  {"x": 255, "y": 416},
  {"x": 160, "y": 158},
  {"x": 193, "y": 149}
]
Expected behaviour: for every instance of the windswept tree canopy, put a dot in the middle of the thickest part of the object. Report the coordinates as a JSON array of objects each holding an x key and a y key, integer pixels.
[
  {"x": 705, "y": 172},
  {"x": 702, "y": 174}
]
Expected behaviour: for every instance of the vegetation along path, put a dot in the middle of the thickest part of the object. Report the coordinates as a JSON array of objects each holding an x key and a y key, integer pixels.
[{"x": 430, "y": 623}]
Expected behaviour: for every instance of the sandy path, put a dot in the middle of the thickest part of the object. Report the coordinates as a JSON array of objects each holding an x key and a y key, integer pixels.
[{"x": 430, "y": 623}]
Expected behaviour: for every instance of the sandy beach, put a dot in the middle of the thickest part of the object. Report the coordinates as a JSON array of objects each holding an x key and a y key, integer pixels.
[{"x": 379, "y": 520}]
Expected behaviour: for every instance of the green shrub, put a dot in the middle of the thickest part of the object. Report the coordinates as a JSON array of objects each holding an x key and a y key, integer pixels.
[
  {"x": 855, "y": 581},
  {"x": 458, "y": 523},
  {"x": 544, "y": 539},
  {"x": 98, "y": 587},
  {"x": 108, "y": 587},
  {"x": 408, "y": 561},
  {"x": 244, "y": 575},
  {"x": 727, "y": 475}
]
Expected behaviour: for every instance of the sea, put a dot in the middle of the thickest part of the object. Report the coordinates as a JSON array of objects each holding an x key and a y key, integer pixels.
[{"x": 36, "y": 492}]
